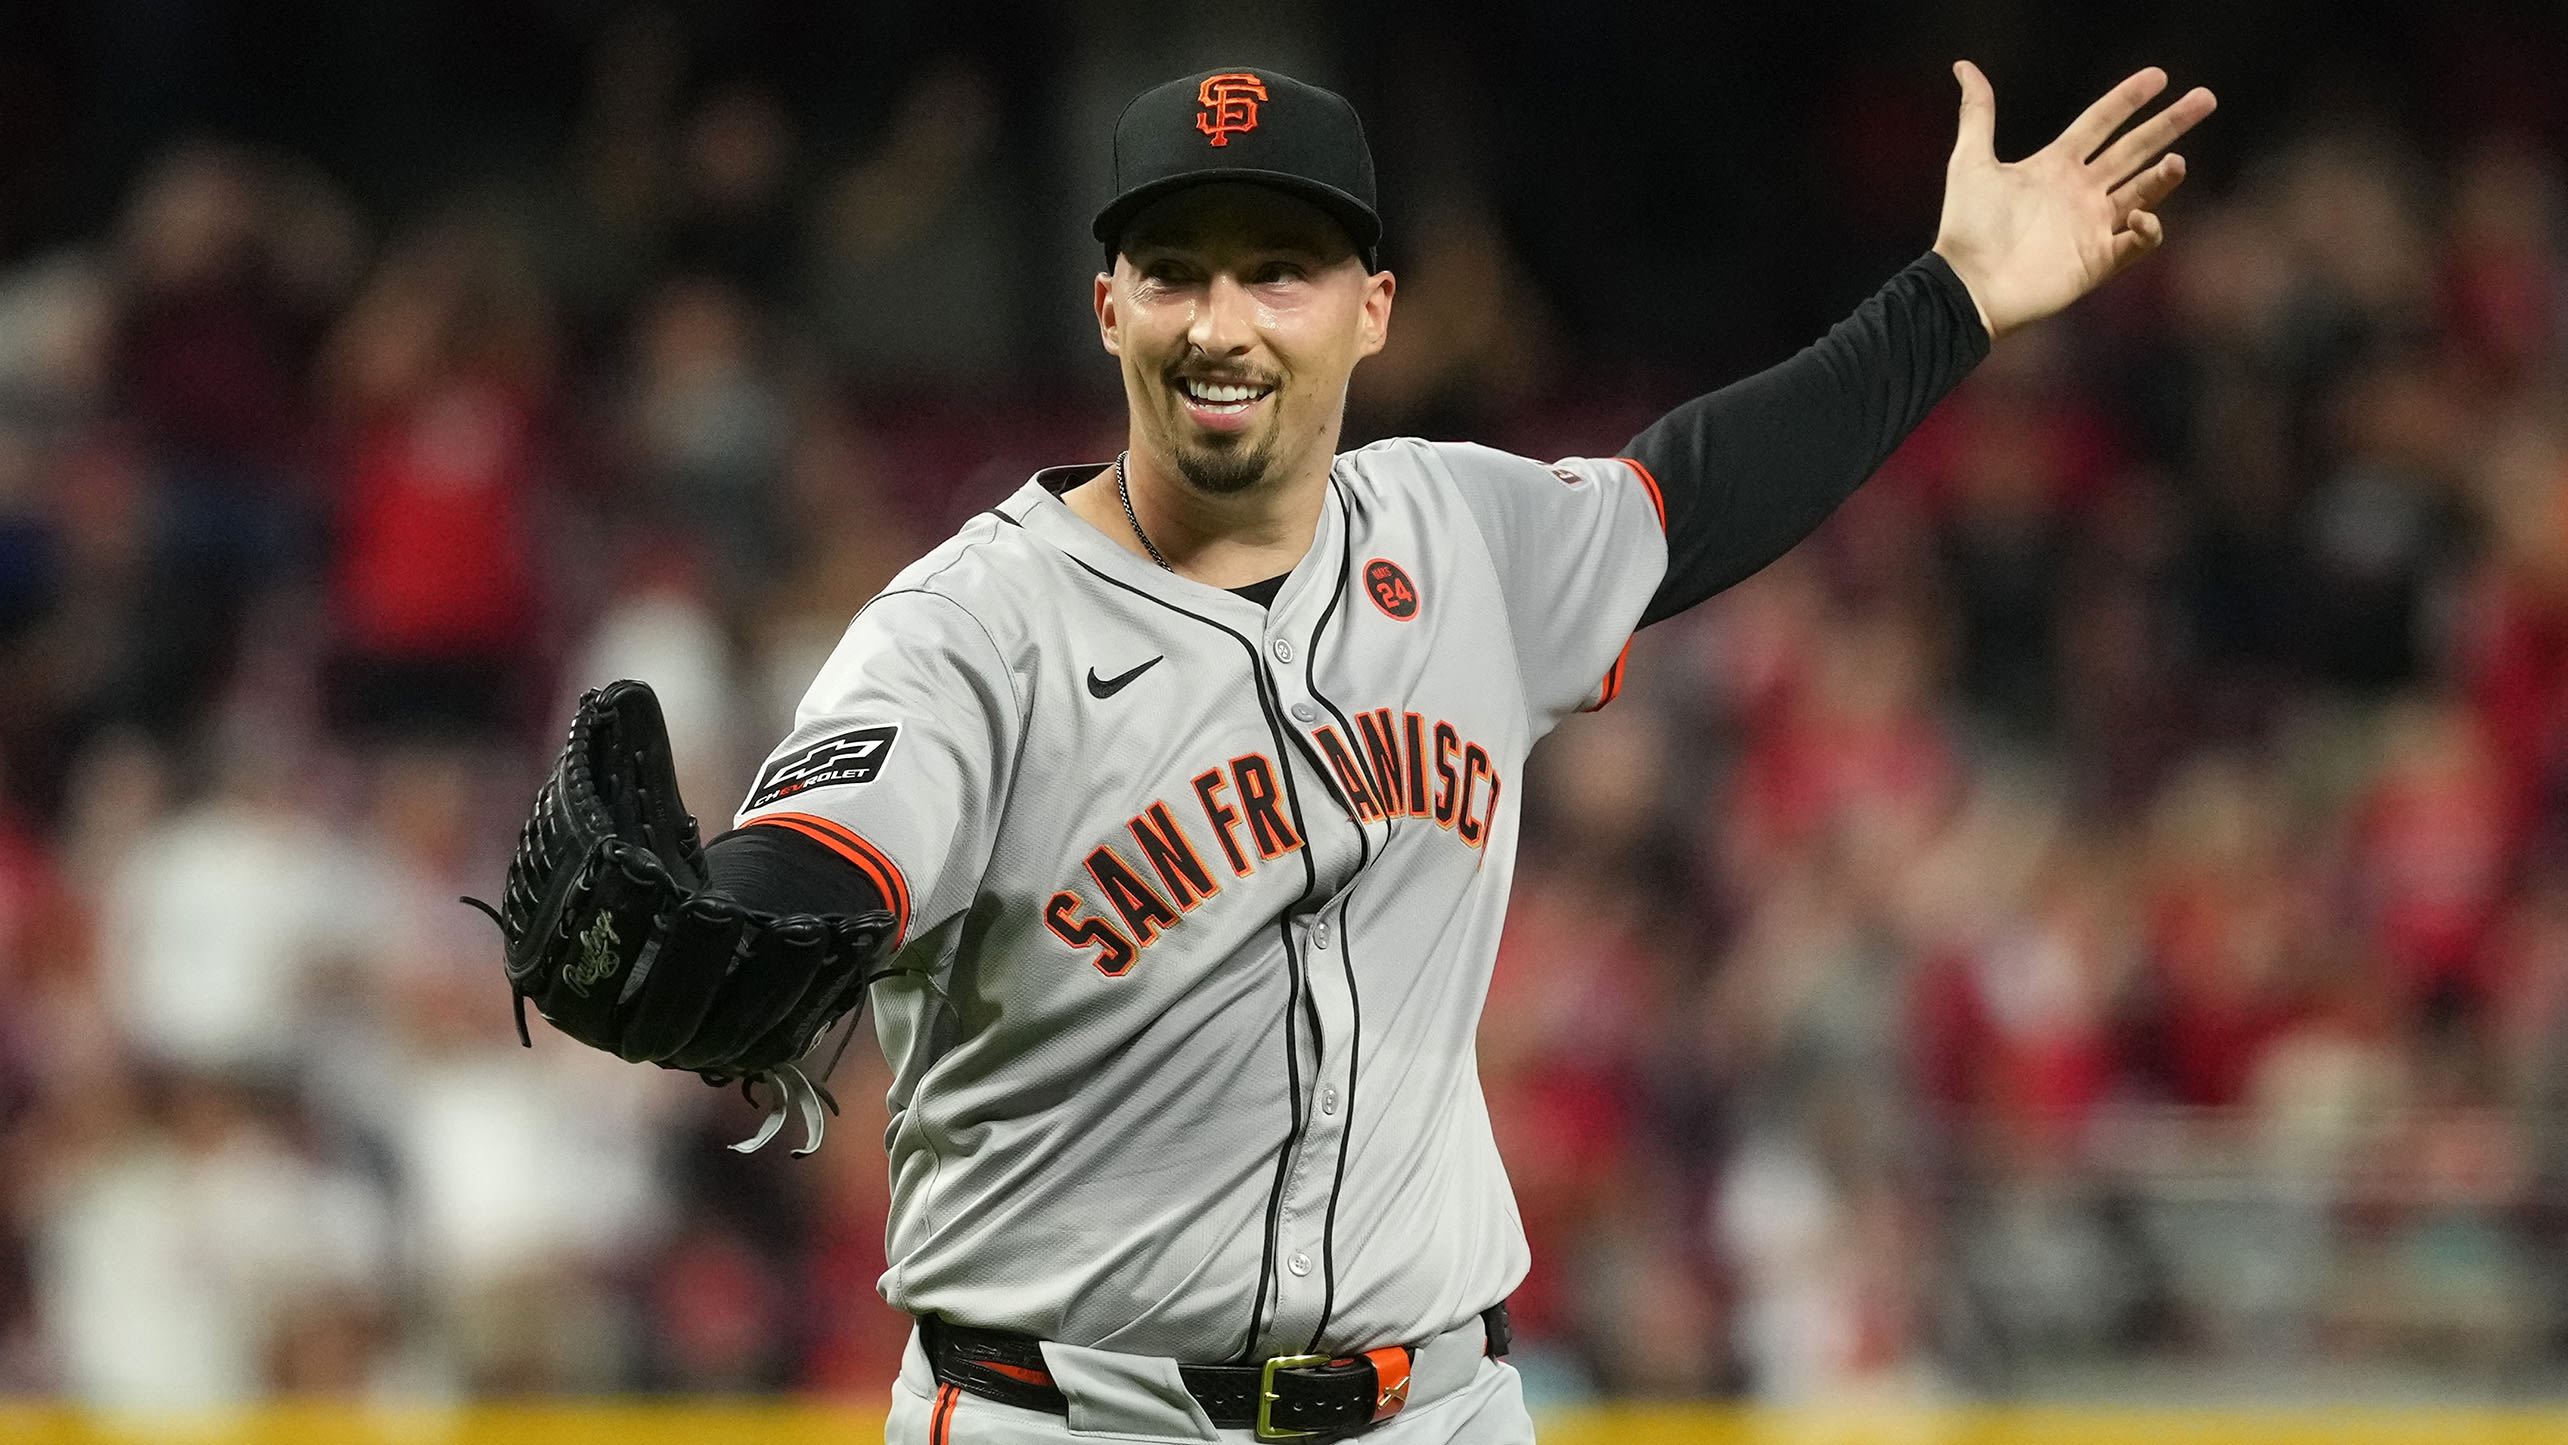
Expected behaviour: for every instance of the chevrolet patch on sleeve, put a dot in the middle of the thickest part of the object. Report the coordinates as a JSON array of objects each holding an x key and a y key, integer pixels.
[{"x": 849, "y": 757}]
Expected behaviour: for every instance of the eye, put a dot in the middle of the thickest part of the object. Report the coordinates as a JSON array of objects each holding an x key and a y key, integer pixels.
[{"x": 1272, "y": 273}]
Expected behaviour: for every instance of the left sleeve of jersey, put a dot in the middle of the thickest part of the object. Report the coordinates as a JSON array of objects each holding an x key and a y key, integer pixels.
[
  {"x": 898, "y": 757},
  {"x": 1580, "y": 546}
]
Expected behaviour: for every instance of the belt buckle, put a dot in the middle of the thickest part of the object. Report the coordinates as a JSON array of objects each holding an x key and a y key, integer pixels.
[{"x": 1266, "y": 1395}]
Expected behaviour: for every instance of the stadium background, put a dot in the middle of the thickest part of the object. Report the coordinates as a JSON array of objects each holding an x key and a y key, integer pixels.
[{"x": 2090, "y": 927}]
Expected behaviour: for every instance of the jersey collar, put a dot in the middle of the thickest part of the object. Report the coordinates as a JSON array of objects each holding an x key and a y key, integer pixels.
[{"x": 1038, "y": 506}]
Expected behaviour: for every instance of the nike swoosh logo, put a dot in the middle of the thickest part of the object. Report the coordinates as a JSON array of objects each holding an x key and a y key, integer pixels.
[{"x": 1108, "y": 687}]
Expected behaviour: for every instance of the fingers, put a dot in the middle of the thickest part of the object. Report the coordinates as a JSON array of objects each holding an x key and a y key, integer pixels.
[
  {"x": 2142, "y": 233},
  {"x": 1976, "y": 137},
  {"x": 2089, "y": 132},
  {"x": 2144, "y": 191},
  {"x": 2155, "y": 134}
]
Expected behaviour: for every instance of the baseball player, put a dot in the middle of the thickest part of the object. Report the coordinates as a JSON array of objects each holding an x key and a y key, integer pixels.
[{"x": 1167, "y": 812}]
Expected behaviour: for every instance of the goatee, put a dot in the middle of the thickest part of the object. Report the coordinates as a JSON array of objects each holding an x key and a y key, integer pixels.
[{"x": 1222, "y": 473}]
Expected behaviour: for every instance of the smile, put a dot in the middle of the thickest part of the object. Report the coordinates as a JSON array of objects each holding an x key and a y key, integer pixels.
[{"x": 1222, "y": 398}]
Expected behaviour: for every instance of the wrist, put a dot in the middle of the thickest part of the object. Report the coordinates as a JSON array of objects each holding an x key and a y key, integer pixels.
[{"x": 1973, "y": 285}]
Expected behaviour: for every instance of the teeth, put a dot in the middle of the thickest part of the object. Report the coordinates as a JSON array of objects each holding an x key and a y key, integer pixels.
[{"x": 1220, "y": 394}]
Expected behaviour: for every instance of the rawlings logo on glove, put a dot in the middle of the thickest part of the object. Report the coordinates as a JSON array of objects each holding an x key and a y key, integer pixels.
[{"x": 597, "y": 957}]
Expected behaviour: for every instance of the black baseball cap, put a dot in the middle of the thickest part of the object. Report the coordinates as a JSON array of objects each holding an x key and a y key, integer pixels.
[{"x": 1243, "y": 124}]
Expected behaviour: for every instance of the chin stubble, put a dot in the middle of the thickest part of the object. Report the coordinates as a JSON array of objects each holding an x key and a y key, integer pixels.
[{"x": 1222, "y": 474}]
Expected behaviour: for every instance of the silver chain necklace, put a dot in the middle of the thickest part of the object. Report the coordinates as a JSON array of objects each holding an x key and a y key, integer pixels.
[{"x": 1125, "y": 493}]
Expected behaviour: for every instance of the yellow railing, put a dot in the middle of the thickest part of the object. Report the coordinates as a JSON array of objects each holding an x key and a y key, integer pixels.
[{"x": 703, "y": 1423}]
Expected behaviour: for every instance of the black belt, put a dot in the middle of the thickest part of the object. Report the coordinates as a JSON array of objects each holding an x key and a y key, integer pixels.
[{"x": 1285, "y": 1398}]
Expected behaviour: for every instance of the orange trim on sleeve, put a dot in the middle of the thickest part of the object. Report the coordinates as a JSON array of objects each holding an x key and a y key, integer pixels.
[
  {"x": 1651, "y": 482},
  {"x": 847, "y": 843},
  {"x": 1612, "y": 686}
]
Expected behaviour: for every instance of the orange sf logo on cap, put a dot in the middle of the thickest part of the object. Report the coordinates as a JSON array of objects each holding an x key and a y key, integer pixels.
[{"x": 1229, "y": 105}]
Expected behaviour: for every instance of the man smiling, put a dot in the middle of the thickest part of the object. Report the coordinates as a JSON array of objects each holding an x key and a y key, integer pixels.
[
  {"x": 1238, "y": 310},
  {"x": 1175, "y": 797}
]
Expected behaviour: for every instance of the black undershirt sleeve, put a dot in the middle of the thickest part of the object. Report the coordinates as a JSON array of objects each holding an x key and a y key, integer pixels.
[
  {"x": 1751, "y": 469},
  {"x": 780, "y": 871}
]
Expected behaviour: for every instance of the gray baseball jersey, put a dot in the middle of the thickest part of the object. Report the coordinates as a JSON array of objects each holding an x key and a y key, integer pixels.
[{"x": 1198, "y": 899}]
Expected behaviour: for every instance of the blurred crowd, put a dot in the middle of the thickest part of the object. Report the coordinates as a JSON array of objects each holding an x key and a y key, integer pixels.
[{"x": 2104, "y": 898}]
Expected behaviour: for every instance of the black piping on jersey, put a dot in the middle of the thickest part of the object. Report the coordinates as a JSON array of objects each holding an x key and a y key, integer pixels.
[
  {"x": 1320, "y": 765},
  {"x": 1269, "y": 707},
  {"x": 1346, "y": 936}
]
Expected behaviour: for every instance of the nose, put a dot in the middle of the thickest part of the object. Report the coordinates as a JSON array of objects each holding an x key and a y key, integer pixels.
[{"x": 1224, "y": 323}]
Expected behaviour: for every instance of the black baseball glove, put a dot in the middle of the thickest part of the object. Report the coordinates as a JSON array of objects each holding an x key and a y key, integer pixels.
[{"x": 610, "y": 929}]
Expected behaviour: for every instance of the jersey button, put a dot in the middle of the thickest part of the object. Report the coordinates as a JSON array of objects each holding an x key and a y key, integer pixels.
[
  {"x": 1328, "y": 1099},
  {"x": 1304, "y": 712},
  {"x": 1320, "y": 934},
  {"x": 1300, "y": 1264},
  {"x": 1283, "y": 650}
]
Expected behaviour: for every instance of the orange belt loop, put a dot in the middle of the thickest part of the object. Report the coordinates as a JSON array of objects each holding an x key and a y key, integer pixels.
[{"x": 1391, "y": 1381}]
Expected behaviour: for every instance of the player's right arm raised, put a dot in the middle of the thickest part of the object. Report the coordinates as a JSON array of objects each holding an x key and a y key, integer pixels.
[{"x": 1749, "y": 470}]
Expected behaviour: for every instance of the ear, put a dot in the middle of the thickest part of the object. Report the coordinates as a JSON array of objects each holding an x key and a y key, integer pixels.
[
  {"x": 1374, "y": 323},
  {"x": 1109, "y": 319}
]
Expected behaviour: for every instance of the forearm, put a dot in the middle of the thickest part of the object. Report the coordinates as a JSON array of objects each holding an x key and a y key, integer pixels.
[
  {"x": 781, "y": 872},
  {"x": 1749, "y": 470}
]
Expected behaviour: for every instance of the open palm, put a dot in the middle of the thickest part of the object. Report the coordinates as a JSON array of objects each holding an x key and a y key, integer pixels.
[{"x": 2028, "y": 237}]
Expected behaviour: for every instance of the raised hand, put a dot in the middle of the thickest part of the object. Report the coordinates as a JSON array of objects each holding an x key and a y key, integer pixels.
[{"x": 2028, "y": 237}]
